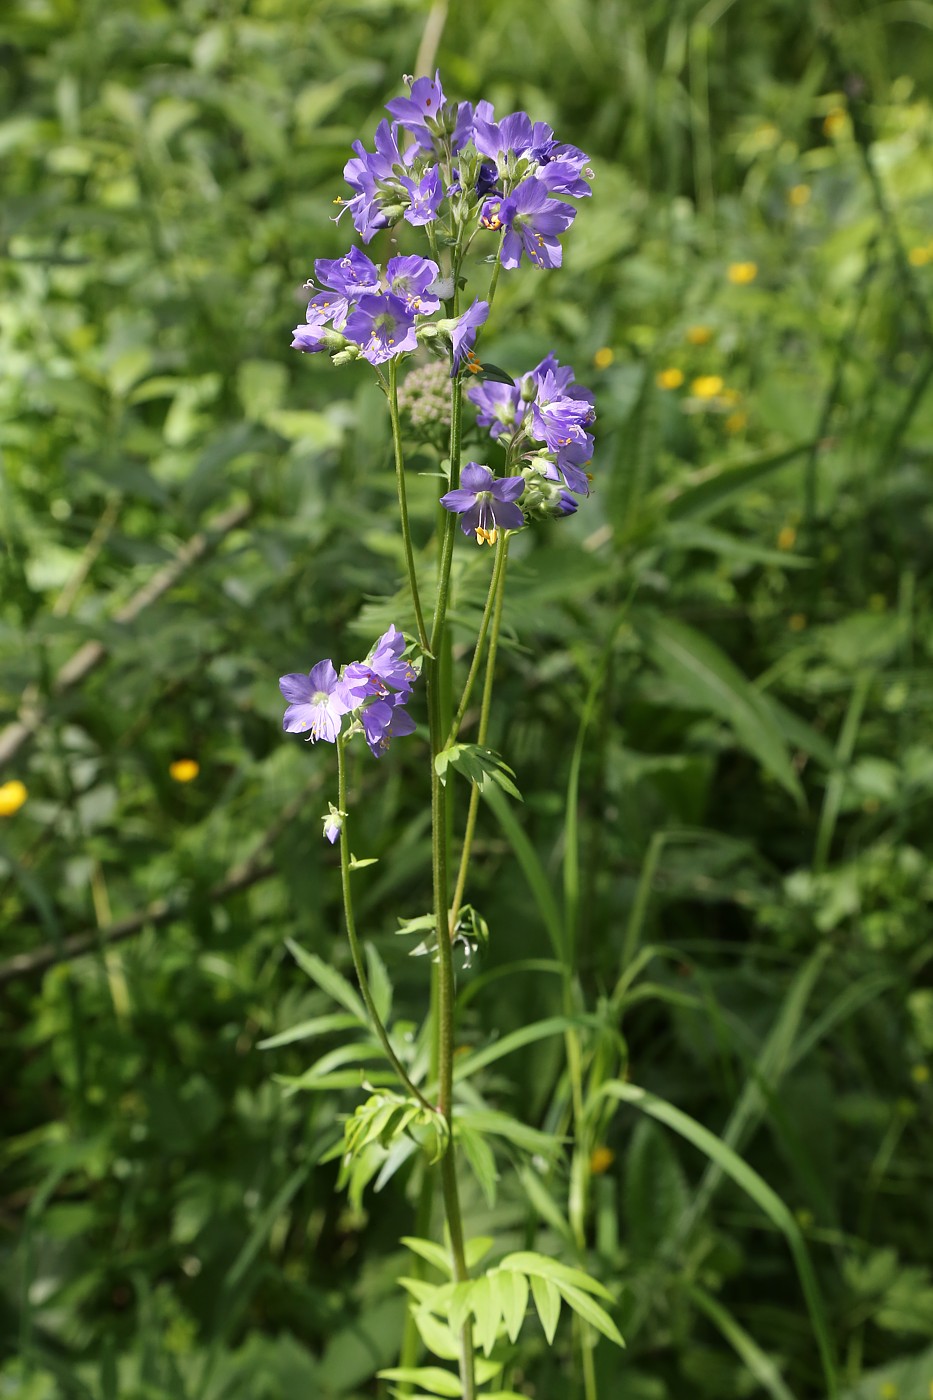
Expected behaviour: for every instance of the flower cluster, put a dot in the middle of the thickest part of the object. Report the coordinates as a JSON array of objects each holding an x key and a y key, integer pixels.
[
  {"x": 469, "y": 172},
  {"x": 361, "y": 310},
  {"x": 373, "y": 693},
  {"x": 464, "y": 172},
  {"x": 544, "y": 418}
]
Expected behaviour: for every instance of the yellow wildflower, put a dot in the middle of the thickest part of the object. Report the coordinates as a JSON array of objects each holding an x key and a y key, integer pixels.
[
  {"x": 741, "y": 273},
  {"x": 12, "y": 796},
  {"x": 601, "y": 1159},
  {"x": 603, "y": 357},
  {"x": 670, "y": 378},
  {"x": 919, "y": 257},
  {"x": 708, "y": 386},
  {"x": 736, "y": 422},
  {"x": 787, "y": 537},
  {"x": 835, "y": 122},
  {"x": 699, "y": 335},
  {"x": 797, "y": 622},
  {"x": 184, "y": 770},
  {"x": 799, "y": 195}
]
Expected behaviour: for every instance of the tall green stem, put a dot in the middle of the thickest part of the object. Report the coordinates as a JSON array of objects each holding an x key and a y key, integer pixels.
[
  {"x": 445, "y": 990},
  {"x": 356, "y": 951},
  {"x": 403, "y": 502},
  {"x": 502, "y": 555},
  {"x": 494, "y": 585}
]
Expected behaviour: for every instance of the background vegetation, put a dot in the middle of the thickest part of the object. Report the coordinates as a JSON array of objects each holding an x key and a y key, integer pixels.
[{"x": 737, "y": 628}]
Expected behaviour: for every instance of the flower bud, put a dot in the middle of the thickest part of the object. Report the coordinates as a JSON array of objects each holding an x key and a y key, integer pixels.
[{"x": 333, "y": 820}]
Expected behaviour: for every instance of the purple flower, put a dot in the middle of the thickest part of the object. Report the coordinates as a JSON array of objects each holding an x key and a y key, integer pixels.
[
  {"x": 333, "y": 822},
  {"x": 317, "y": 703},
  {"x": 463, "y": 333},
  {"x": 374, "y": 692},
  {"x": 423, "y": 106},
  {"x": 501, "y": 409},
  {"x": 351, "y": 275},
  {"x": 310, "y": 337},
  {"x": 425, "y": 194},
  {"x": 561, "y": 409},
  {"x": 487, "y": 504},
  {"x": 548, "y": 406},
  {"x": 514, "y": 133},
  {"x": 388, "y": 662},
  {"x": 559, "y": 167},
  {"x": 531, "y": 220},
  {"x": 385, "y": 719},
  {"x": 382, "y": 326},
  {"x": 384, "y": 669},
  {"x": 410, "y": 278},
  {"x": 372, "y": 174}
]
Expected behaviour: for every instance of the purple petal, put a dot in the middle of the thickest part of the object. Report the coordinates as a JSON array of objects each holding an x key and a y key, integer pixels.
[
  {"x": 458, "y": 501},
  {"x": 509, "y": 488},
  {"x": 508, "y": 516},
  {"x": 475, "y": 477},
  {"x": 296, "y": 688}
]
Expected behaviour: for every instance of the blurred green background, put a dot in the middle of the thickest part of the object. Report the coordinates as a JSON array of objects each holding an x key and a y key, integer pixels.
[{"x": 189, "y": 509}]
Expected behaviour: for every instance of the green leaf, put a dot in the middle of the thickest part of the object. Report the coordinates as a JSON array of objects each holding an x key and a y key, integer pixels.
[
  {"x": 434, "y": 1253},
  {"x": 526, "y": 1262},
  {"x": 480, "y": 1157},
  {"x": 437, "y": 1336},
  {"x": 328, "y": 980},
  {"x": 496, "y": 373},
  {"x": 715, "y": 684},
  {"x": 544, "y": 1203},
  {"x": 484, "y": 1303},
  {"x": 361, "y": 862},
  {"x": 333, "y": 1060},
  {"x": 755, "y": 1187},
  {"x": 591, "y": 1312},
  {"x": 713, "y": 487},
  {"x": 513, "y": 1295},
  {"x": 340, "y": 1079},
  {"x": 467, "y": 1065},
  {"x": 380, "y": 984},
  {"x": 433, "y": 1378},
  {"x": 476, "y": 1249},
  {"x": 489, "y": 1120},
  {"x": 319, "y": 1025},
  {"x": 478, "y": 765},
  {"x": 547, "y": 1301}
]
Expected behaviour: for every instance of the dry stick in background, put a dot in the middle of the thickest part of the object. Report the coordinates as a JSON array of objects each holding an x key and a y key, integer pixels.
[{"x": 91, "y": 654}]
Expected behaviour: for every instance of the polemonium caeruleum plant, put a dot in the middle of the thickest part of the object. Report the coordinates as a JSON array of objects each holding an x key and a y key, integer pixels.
[{"x": 484, "y": 195}]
